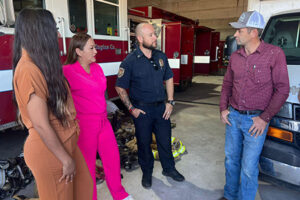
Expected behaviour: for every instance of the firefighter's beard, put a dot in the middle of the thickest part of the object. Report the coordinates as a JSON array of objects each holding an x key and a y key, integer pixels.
[{"x": 150, "y": 47}]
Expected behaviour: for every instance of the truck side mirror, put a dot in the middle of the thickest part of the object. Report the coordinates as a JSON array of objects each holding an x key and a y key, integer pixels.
[
  {"x": 231, "y": 46},
  {"x": 2, "y": 13}
]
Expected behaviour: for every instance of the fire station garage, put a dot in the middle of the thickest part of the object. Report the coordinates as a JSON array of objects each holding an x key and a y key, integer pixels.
[{"x": 198, "y": 42}]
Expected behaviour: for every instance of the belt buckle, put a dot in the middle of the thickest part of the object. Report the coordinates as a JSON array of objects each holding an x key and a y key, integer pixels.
[
  {"x": 244, "y": 112},
  {"x": 252, "y": 112}
]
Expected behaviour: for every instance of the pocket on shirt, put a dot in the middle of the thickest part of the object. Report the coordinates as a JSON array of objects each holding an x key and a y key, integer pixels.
[{"x": 262, "y": 75}]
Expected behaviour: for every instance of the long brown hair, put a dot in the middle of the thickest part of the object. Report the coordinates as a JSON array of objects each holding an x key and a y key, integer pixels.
[
  {"x": 78, "y": 41},
  {"x": 35, "y": 31}
]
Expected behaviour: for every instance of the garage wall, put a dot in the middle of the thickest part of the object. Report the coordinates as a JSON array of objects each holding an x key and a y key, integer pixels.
[{"x": 215, "y": 14}]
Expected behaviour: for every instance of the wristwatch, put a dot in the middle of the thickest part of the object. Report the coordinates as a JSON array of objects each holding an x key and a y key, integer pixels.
[{"x": 172, "y": 102}]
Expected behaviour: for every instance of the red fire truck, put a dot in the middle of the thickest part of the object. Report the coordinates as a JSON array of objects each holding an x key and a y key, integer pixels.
[
  {"x": 104, "y": 20},
  {"x": 108, "y": 22}
]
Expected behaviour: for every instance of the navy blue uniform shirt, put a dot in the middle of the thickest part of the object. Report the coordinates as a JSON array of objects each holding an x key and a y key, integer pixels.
[{"x": 144, "y": 77}]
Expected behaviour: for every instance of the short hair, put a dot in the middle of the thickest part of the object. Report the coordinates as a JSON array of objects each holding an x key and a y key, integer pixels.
[
  {"x": 139, "y": 27},
  {"x": 259, "y": 31}
]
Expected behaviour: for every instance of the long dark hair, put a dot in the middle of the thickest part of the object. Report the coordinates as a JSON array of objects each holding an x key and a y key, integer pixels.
[
  {"x": 78, "y": 41},
  {"x": 35, "y": 31}
]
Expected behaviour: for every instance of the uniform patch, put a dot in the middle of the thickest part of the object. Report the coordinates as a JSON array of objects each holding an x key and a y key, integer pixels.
[
  {"x": 121, "y": 72},
  {"x": 161, "y": 63}
]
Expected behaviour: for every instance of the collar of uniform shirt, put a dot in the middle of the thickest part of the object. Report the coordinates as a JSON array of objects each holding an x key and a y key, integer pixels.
[
  {"x": 140, "y": 54},
  {"x": 260, "y": 48}
]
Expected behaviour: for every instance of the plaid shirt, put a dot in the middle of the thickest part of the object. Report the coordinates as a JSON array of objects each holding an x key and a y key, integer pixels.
[{"x": 258, "y": 81}]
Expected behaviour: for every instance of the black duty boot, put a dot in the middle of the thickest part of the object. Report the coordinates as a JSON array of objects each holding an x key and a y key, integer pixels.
[
  {"x": 147, "y": 181},
  {"x": 174, "y": 174}
]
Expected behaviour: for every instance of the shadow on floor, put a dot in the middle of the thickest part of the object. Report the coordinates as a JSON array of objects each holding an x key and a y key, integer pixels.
[
  {"x": 182, "y": 190},
  {"x": 198, "y": 91},
  {"x": 271, "y": 192}
]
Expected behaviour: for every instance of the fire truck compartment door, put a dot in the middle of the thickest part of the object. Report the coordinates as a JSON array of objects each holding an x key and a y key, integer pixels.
[
  {"x": 202, "y": 58},
  {"x": 171, "y": 47}
]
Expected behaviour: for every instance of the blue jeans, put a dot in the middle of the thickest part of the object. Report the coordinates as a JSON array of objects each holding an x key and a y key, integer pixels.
[{"x": 242, "y": 152}]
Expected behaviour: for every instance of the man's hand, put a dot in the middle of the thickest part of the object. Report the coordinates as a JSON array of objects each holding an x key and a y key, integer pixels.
[
  {"x": 224, "y": 117},
  {"x": 258, "y": 126},
  {"x": 168, "y": 111},
  {"x": 136, "y": 112}
]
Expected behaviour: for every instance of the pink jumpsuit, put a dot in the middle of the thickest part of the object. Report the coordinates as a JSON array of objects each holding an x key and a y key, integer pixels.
[{"x": 96, "y": 133}]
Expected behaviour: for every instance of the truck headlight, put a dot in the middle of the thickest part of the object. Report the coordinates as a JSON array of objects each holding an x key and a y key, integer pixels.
[{"x": 286, "y": 111}]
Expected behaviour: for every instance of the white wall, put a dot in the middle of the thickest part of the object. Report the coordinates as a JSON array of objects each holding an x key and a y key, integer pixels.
[{"x": 270, "y": 7}]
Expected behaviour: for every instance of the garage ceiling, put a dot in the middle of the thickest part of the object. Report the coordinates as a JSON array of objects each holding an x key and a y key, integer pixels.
[{"x": 215, "y": 14}]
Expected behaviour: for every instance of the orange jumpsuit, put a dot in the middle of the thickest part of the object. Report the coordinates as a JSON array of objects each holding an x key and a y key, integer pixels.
[{"x": 46, "y": 168}]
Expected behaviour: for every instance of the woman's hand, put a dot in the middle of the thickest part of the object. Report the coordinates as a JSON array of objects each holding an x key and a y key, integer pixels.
[
  {"x": 69, "y": 170},
  {"x": 38, "y": 113}
]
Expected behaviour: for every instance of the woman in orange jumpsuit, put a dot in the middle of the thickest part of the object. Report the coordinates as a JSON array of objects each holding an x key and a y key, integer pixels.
[{"x": 47, "y": 110}]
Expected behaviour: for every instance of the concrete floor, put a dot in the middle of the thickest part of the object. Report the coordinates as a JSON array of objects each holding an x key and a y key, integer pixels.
[{"x": 199, "y": 128}]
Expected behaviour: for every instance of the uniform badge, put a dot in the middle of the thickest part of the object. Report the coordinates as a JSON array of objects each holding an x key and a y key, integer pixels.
[
  {"x": 161, "y": 63},
  {"x": 121, "y": 72}
]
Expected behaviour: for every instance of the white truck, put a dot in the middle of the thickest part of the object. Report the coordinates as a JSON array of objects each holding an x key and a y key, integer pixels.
[{"x": 280, "y": 157}]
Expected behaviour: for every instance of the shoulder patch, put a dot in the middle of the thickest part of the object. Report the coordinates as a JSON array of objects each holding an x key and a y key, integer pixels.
[
  {"x": 121, "y": 72},
  {"x": 161, "y": 63}
]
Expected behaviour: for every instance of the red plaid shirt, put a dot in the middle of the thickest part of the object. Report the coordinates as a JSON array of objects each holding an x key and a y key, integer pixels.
[{"x": 258, "y": 81}]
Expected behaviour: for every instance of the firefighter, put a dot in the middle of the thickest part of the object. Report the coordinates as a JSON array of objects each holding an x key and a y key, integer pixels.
[{"x": 143, "y": 72}]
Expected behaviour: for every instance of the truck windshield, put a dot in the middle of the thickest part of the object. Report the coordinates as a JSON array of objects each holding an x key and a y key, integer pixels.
[{"x": 284, "y": 31}]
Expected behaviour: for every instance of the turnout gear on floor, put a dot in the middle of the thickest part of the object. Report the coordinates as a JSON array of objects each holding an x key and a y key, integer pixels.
[
  {"x": 14, "y": 175},
  {"x": 177, "y": 148}
]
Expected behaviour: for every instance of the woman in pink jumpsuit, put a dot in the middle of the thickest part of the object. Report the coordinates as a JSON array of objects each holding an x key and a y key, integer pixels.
[{"x": 88, "y": 84}]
